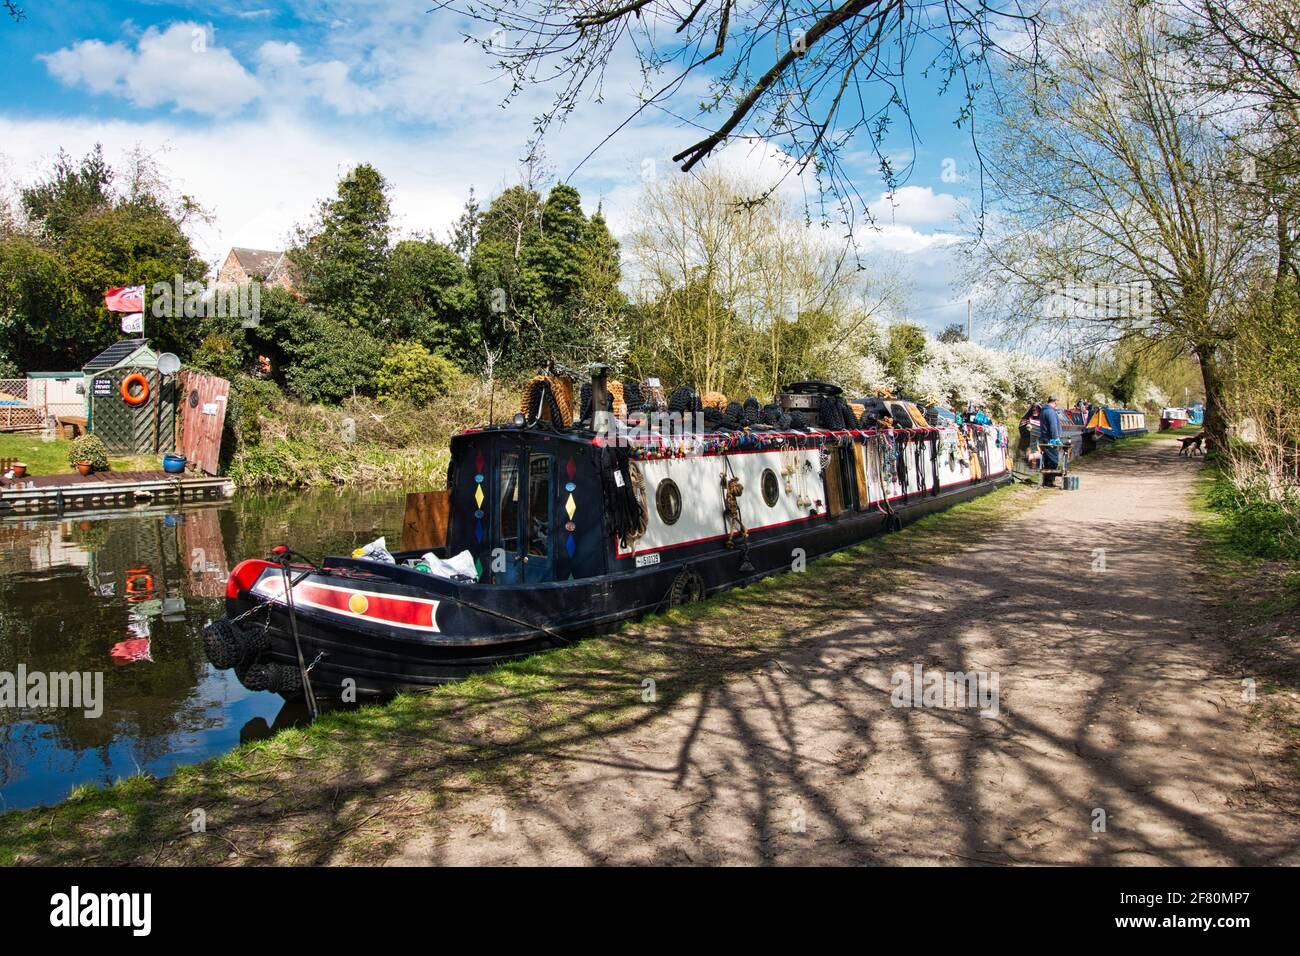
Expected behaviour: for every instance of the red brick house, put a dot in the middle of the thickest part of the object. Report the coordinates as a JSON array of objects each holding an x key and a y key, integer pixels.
[{"x": 271, "y": 267}]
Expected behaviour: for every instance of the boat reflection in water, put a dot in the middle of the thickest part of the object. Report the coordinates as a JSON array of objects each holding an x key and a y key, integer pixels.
[{"x": 127, "y": 595}]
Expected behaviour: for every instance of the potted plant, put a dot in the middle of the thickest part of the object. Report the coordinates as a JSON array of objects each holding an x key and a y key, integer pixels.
[
  {"x": 88, "y": 454},
  {"x": 20, "y": 469}
]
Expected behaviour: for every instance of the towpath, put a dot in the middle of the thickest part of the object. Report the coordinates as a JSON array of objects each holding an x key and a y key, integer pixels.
[{"x": 1120, "y": 735}]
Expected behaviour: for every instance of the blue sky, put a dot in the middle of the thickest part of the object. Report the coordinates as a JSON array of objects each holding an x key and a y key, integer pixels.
[{"x": 256, "y": 109}]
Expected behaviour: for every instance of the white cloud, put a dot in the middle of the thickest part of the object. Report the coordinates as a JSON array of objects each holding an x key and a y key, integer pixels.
[
  {"x": 174, "y": 66},
  {"x": 282, "y": 68},
  {"x": 258, "y": 177},
  {"x": 917, "y": 206},
  {"x": 884, "y": 237}
]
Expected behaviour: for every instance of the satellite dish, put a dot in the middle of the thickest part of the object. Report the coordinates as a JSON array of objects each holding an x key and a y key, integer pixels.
[{"x": 169, "y": 363}]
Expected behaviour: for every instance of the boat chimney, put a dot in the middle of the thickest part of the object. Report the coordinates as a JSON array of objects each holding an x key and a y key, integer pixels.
[{"x": 600, "y": 399}]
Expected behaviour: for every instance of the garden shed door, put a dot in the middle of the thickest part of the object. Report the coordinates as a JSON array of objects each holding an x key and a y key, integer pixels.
[{"x": 203, "y": 400}]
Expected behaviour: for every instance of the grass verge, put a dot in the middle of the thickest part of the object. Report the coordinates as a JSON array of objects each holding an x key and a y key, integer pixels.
[
  {"x": 279, "y": 443},
  {"x": 351, "y": 787},
  {"x": 51, "y": 457},
  {"x": 1258, "y": 606}
]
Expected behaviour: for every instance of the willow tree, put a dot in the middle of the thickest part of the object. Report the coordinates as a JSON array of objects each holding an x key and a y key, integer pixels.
[
  {"x": 738, "y": 297},
  {"x": 1113, "y": 193},
  {"x": 1248, "y": 53}
]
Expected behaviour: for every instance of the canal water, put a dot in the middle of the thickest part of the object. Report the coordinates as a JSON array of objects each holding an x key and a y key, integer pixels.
[{"x": 127, "y": 595}]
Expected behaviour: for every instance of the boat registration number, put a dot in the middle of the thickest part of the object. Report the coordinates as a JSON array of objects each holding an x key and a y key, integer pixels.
[{"x": 645, "y": 560}]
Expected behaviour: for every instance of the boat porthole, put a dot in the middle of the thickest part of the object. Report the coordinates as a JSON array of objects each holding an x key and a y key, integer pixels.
[
  {"x": 669, "y": 501},
  {"x": 771, "y": 487}
]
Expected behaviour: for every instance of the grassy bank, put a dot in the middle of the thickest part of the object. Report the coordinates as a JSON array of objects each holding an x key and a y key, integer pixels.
[
  {"x": 276, "y": 442},
  {"x": 51, "y": 457},
  {"x": 1257, "y": 596},
  {"x": 347, "y": 788}
]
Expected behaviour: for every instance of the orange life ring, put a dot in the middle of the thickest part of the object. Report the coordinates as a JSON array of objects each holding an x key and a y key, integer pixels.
[
  {"x": 133, "y": 577},
  {"x": 136, "y": 398}
]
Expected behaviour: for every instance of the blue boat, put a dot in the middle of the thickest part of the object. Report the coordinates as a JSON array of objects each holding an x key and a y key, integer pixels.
[{"x": 1113, "y": 423}]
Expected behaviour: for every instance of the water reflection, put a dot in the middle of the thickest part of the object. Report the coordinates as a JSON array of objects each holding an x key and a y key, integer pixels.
[{"x": 128, "y": 595}]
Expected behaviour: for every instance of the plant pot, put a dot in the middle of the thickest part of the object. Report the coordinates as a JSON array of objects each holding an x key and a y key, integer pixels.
[
  {"x": 85, "y": 467},
  {"x": 20, "y": 469}
]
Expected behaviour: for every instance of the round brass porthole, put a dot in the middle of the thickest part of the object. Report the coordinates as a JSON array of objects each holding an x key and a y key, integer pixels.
[
  {"x": 771, "y": 487},
  {"x": 668, "y": 499}
]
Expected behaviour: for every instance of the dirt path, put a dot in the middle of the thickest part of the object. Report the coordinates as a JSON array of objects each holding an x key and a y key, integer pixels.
[{"x": 1111, "y": 698}]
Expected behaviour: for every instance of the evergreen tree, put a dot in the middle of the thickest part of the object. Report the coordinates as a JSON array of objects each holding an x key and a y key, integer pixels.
[
  {"x": 465, "y": 232},
  {"x": 432, "y": 300},
  {"x": 546, "y": 277},
  {"x": 343, "y": 256},
  {"x": 601, "y": 269}
]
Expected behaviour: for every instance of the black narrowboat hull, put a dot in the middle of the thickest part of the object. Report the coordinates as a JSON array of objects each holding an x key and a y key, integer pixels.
[{"x": 475, "y": 627}]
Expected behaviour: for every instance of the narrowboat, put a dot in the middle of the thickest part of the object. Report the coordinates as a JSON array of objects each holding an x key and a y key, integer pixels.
[
  {"x": 1109, "y": 424},
  {"x": 565, "y": 525},
  {"x": 1073, "y": 432},
  {"x": 1173, "y": 418}
]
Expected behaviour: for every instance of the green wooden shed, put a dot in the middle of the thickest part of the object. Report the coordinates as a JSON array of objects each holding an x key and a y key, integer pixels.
[{"x": 126, "y": 429}]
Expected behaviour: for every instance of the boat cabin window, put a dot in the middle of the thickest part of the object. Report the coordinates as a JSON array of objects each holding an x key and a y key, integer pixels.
[
  {"x": 771, "y": 488},
  {"x": 669, "y": 501},
  {"x": 509, "y": 511},
  {"x": 539, "y": 499}
]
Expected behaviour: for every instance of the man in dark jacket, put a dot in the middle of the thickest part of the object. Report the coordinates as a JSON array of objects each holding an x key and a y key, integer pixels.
[{"x": 1049, "y": 431}]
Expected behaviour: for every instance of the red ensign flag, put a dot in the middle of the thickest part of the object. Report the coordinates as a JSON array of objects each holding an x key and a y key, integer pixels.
[{"x": 126, "y": 299}]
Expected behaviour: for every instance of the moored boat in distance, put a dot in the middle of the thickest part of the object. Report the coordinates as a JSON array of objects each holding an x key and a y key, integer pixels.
[
  {"x": 1109, "y": 424},
  {"x": 562, "y": 525}
]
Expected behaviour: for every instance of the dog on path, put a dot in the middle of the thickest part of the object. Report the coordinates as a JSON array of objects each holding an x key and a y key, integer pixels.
[{"x": 1192, "y": 443}]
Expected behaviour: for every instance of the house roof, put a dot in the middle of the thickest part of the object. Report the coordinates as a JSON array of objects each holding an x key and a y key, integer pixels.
[
  {"x": 257, "y": 262},
  {"x": 115, "y": 355}
]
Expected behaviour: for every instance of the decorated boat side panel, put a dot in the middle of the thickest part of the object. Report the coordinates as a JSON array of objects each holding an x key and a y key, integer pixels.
[{"x": 685, "y": 497}]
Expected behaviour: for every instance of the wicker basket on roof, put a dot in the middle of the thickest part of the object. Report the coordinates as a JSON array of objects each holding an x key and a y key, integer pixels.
[
  {"x": 561, "y": 390},
  {"x": 715, "y": 400}
]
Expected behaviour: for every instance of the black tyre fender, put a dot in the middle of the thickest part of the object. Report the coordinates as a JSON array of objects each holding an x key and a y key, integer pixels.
[
  {"x": 285, "y": 680},
  {"x": 256, "y": 643},
  {"x": 223, "y": 643},
  {"x": 686, "y": 588},
  {"x": 255, "y": 676}
]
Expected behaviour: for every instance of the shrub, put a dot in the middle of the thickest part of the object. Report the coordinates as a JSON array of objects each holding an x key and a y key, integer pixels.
[
  {"x": 413, "y": 373},
  {"x": 89, "y": 448},
  {"x": 330, "y": 361},
  {"x": 250, "y": 399},
  {"x": 220, "y": 354}
]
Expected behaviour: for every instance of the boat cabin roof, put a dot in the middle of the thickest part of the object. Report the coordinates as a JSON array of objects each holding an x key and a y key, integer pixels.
[{"x": 698, "y": 444}]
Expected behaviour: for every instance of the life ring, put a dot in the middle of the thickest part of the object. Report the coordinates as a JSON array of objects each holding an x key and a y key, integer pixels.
[
  {"x": 133, "y": 577},
  {"x": 135, "y": 398}
]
